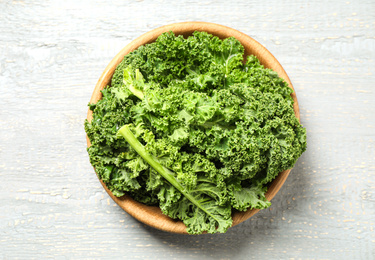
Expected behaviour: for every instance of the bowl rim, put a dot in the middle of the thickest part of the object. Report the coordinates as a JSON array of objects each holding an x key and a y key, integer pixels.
[{"x": 152, "y": 215}]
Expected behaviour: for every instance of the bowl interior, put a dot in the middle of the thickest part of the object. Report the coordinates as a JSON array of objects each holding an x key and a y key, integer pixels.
[{"x": 153, "y": 216}]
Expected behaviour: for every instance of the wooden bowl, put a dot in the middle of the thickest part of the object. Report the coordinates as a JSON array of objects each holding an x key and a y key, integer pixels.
[{"x": 153, "y": 216}]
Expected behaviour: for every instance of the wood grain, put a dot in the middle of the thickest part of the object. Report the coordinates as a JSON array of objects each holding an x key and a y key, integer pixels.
[{"x": 51, "y": 203}]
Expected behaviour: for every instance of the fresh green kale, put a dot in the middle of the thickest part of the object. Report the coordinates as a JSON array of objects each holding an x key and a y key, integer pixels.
[{"x": 188, "y": 126}]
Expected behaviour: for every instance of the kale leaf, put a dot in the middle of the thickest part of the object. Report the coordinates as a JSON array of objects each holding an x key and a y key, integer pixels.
[{"x": 188, "y": 126}]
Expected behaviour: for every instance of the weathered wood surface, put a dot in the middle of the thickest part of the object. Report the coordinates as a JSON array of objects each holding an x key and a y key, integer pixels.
[{"x": 51, "y": 203}]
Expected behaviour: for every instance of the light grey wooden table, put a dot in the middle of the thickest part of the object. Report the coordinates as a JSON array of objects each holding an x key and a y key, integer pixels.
[{"x": 52, "y": 204}]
